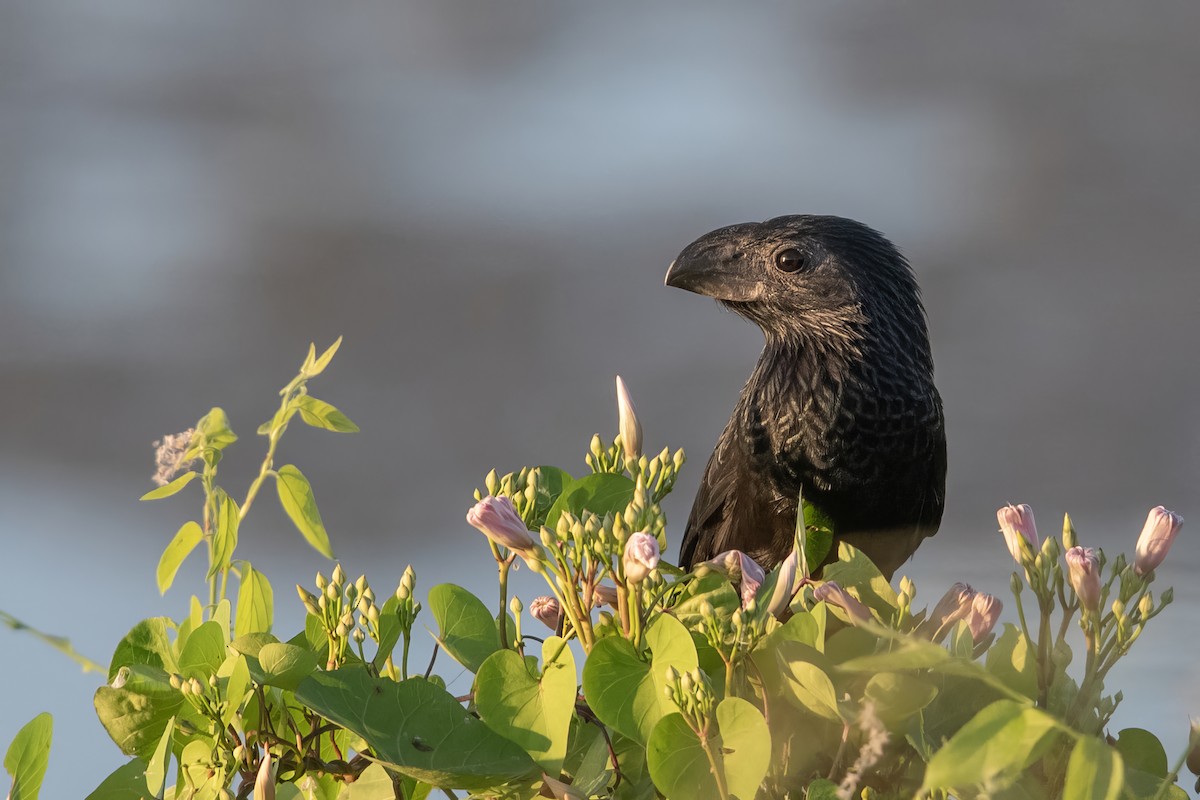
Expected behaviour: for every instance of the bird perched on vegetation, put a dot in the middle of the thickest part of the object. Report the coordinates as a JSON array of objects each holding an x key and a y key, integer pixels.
[{"x": 842, "y": 403}]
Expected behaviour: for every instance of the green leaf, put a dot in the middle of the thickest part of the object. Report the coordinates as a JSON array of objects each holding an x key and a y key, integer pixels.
[
  {"x": 678, "y": 764},
  {"x": 296, "y": 497},
  {"x": 809, "y": 687},
  {"x": 898, "y": 696},
  {"x": 236, "y": 671},
  {"x": 600, "y": 493},
  {"x": 255, "y": 603},
  {"x": 28, "y": 756},
  {"x": 168, "y": 489},
  {"x": 373, "y": 784},
  {"x": 126, "y": 782},
  {"x": 531, "y": 711},
  {"x": 862, "y": 578},
  {"x": 156, "y": 769},
  {"x": 315, "y": 366},
  {"x": 822, "y": 789},
  {"x": 136, "y": 714},
  {"x": 1095, "y": 771},
  {"x": 252, "y": 643},
  {"x": 993, "y": 748},
  {"x": 1014, "y": 662},
  {"x": 745, "y": 745},
  {"x": 203, "y": 652},
  {"x": 215, "y": 431},
  {"x": 146, "y": 643},
  {"x": 467, "y": 630},
  {"x": 818, "y": 536},
  {"x": 389, "y": 631},
  {"x": 285, "y": 665},
  {"x": 173, "y": 556},
  {"x": 624, "y": 691},
  {"x": 550, "y": 487},
  {"x": 225, "y": 537},
  {"x": 906, "y": 654},
  {"x": 320, "y": 414},
  {"x": 1141, "y": 750},
  {"x": 418, "y": 729}
]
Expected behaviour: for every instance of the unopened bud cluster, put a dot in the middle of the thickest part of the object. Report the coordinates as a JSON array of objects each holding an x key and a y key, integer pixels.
[
  {"x": 345, "y": 610},
  {"x": 693, "y": 695}
]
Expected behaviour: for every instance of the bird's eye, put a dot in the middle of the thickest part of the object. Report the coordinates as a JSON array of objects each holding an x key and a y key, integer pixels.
[{"x": 790, "y": 260}]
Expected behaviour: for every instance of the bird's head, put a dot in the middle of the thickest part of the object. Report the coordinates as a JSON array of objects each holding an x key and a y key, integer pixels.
[{"x": 812, "y": 278}]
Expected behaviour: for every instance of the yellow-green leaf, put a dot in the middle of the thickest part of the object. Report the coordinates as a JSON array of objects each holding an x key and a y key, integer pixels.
[
  {"x": 1095, "y": 771},
  {"x": 296, "y": 497},
  {"x": 28, "y": 756},
  {"x": 177, "y": 550},
  {"x": 171, "y": 488},
  {"x": 320, "y": 414}
]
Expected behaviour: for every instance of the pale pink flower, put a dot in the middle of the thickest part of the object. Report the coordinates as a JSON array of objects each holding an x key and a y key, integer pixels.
[
  {"x": 985, "y": 612},
  {"x": 497, "y": 519},
  {"x": 832, "y": 592},
  {"x": 1162, "y": 526},
  {"x": 641, "y": 556},
  {"x": 603, "y": 595},
  {"x": 1083, "y": 570},
  {"x": 741, "y": 569},
  {"x": 546, "y": 610},
  {"x": 1016, "y": 523}
]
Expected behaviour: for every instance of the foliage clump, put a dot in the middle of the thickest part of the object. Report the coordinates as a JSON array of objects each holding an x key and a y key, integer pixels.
[{"x": 724, "y": 682}]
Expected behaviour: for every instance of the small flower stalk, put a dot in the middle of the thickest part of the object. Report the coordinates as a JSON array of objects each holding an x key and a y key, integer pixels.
[{"x": 1159, "y": 532}]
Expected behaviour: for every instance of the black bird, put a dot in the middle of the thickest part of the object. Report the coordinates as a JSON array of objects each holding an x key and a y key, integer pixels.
[{"x": 841, "y": 404}]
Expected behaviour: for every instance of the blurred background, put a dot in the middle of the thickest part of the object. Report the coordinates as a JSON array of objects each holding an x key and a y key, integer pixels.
[{"x": 484, "y": 198}]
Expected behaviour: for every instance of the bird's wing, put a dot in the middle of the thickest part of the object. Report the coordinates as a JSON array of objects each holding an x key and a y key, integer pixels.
[{"x": 729, "y": 505}]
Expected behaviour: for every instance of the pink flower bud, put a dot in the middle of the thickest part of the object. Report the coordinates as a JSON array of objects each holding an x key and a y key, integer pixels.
[
  {"x": 546, "y": 610},
  {"x": 264, "y": 781},
  {"x": 604, "y": 595},
  {"x": 985, "y": 612},
  {"x": 741, "y": 569},
  {"x": 831, "y": 592},
  {"x": 560, "y": 790},
  {"x": 1083, "y": 567},
  {"x": 784, "y": 586},
  {"x": 954, "y": 605},
  {"x": 1161, "y": 528},
  {"x": 641, "y": 556},
  {"x": 1016, "y": 523},
  {"x": 627, "y": 422},
  {"x": 497, "y": 519}
]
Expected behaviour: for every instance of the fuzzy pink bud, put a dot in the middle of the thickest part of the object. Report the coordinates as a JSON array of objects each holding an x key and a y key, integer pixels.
[
  {"x": 985, "y": 612},
  {"x": 641, "y": 556},
  {"x": 497, "y": 519},
  {"x": 603, "y": 595},
  {"x": 740, "y": 568},
  {"x": 832, "y": 592},
  {"x": 546, "y": 610},
  {"x": 1083, "y": 570},
  {"x": 1162, "y": 526},
  {"x": 954, "y": 605},
  {"x": 1016, "y": 523}
]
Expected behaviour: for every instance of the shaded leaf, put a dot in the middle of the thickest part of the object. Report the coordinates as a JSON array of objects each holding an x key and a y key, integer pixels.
[
  {"x": 146, "y": 643},
  {"x": 296, "y": 497},
  {"x": 1094, "y": 772},
  {"x": 600, "y": 493},
  {"x": 418, "y": 729},
  {"x": 225, "y": 536},
  {"x": 678, "y": 763},
  {"x": 285, "y": 665},
  {"x": 126, "y": 782},
  {"x": 203, "y": 652},
  {"x": 993, "y": 748},
  {"x": 136, "y": 714},
  {"x": 156, "y": 769},
  {"x": 535, "y": 712}
]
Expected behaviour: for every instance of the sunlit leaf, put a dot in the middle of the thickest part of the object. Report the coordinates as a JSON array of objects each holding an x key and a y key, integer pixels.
[
  {"x": 166, "y": 490},
  {"x": 296, "y": 497},
  {"x": 745, "y": 745},
  {"x": 317, "y": 366},
  {"x": 126, "y": 782},
  {"x": 1094, "y": 772},
  {"x": 993, "y": 748},
  {"x": 184, "y": 541},
  {"x": 285, "y": 665},
  {"x": 27, "y": 757},
  {"x": 466, "y": 629},
  {"x": 156, "y": 768},
  {"x": 146, "y": 643},
  {"x": 600, "y": 493},
  {"x": 255, "y": 603},
  {"x": 225, "y": 536},
  {"x": 320, "y": 414}
]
